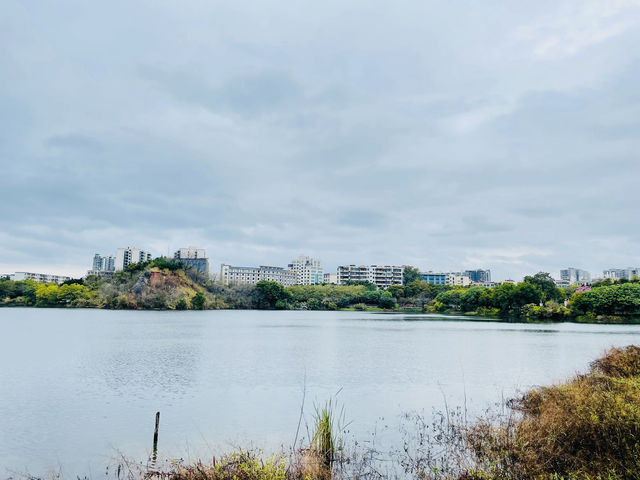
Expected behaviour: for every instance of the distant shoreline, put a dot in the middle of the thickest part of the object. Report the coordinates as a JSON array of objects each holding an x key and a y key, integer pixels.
[{"x": 161, "y": 285}]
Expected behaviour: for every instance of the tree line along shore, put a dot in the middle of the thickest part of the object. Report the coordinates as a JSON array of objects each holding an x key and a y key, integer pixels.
[{"x": 167, "y": 285}]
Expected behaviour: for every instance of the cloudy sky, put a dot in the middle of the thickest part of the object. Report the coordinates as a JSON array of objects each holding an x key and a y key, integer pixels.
[{"x": 447, "y": 135}]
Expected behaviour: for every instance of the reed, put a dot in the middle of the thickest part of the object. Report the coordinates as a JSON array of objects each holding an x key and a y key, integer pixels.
[{"x": 326, "y": 440}]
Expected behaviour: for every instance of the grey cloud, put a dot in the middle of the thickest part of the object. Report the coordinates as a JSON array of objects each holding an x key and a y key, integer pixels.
[
  {"x": 247, "y": 93},
  {"x": 358, "y": 134},
  {"x": 74, "y": 141}
]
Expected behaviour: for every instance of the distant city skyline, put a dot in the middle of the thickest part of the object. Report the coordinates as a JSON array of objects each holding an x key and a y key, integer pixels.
[
  {"x": 476, "y": 274},
  {"x": 444, "y": 135}
]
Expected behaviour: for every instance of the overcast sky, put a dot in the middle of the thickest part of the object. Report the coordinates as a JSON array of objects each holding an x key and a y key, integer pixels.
[{"x": 446, "y": 135}]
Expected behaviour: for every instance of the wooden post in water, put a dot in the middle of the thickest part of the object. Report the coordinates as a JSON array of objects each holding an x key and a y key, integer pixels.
[{"x": 155, "y": 437}]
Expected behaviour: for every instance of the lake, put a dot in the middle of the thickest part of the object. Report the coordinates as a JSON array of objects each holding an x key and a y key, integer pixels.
[{"x": 80, "y": 386}]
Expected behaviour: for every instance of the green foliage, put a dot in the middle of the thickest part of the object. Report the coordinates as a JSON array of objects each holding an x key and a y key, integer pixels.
[
  {"x": 387, "y": 301},
  {"x": 272, "y": 293},
  {"x": 135, "y": 267},
  {"x": 550, "y": 312},
  {"x": 474, "y": 298},
  {"x": 547, "y": 287},
  {"x": 368, "y": 285},
  {"x": 72, "y": 295},
  {"x": 422, "y": 288},
  {"x": 523, "y": 294},
  {"x": 282, "y": 305},
  {"x": 181, "y": 304},
  {"x": 325, "y": 439},
  {"x": 360, "y": 306},
  {"x": 451, "y": 298},
  {"x": 322, "y": 296},
  {"x": 615, "y": 299},
  {"x": 397, "y": 291},
  {"x": 410, "y": 274},
  {"x": 240, "y": 465},
  {"x": 198, "y": 301},
  {"x": 165, "y": 263}
]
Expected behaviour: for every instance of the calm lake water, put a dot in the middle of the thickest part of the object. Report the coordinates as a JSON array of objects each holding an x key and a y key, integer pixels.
[{"x": 79, "y": 386}]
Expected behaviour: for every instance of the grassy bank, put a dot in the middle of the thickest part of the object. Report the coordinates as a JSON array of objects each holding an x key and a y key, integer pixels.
[{"x": 586, "y": 428}]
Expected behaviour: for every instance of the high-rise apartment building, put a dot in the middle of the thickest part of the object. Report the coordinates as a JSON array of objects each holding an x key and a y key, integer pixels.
[
  {"x": 382, "y": 276},
  {"x": 478, "y": 276},
  {"x": 308, "y": 270},
  {"x": 193, "y": 257},
  {"x": 104, "y": 263},
  {"x": 129, "y": 255},
  {"x": 620, "y": 273},
  {"x": 575, "y": 275},
  {"x": 230, "y": 275}
]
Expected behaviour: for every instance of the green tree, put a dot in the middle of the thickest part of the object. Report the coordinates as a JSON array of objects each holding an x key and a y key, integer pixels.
[
  {"x": 271, "y": 292},
  {"x": 547, "y": 287},
  {"x": 617, "y": 299},
  {"x": 474, "y": 298},
  {"x": 502, "y": 297},
  {"x": 387, "y": 301},
  {"x": 198, "y": 301},
  {"x": 451, "y": 298},
  {"x": 525, "y": 293},
  {"x": 415, "y": 288},
  {"x": 181, "y": 304},
  {"x": 7, "y": 289},
  {"x": 410, "y": 274},
  {"x": 396, "y": 291}
]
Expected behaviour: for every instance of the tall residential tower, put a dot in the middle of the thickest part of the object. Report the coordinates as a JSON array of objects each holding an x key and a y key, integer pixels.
[{"x": 308, "y": 270}]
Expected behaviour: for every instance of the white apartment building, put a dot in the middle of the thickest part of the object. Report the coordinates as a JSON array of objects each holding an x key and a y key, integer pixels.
[
  {"x": 457, "y": 279},
  {"x": 230, "y": 275},
  {"x": 193, "y": 257},
  {"x": 575, "y": 275},
  {"x": 129, "y": 255},
  {"x": 38, "y": 277},
  {"x": 331, "y": 278},
  {"x": 190, "y": 252},
  {"x": 308, "y": 270},
  {"x": 382, "y": 276},
  {"x": 619, "y": 273}
]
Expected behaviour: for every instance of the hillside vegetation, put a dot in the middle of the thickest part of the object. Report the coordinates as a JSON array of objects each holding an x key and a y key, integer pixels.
[{"x": 159, "y": 284}]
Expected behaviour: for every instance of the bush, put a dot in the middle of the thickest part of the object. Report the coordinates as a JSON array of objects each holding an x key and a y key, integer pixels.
[
  {"x": 360, "y": 306},
  {"x": 387, "y": 301},
  {"x": 236, "y": 466},
  {"x": 282, "y": 305},
  {"x": 198, "y": 301},
  {"x": 586, "y": 428}
]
